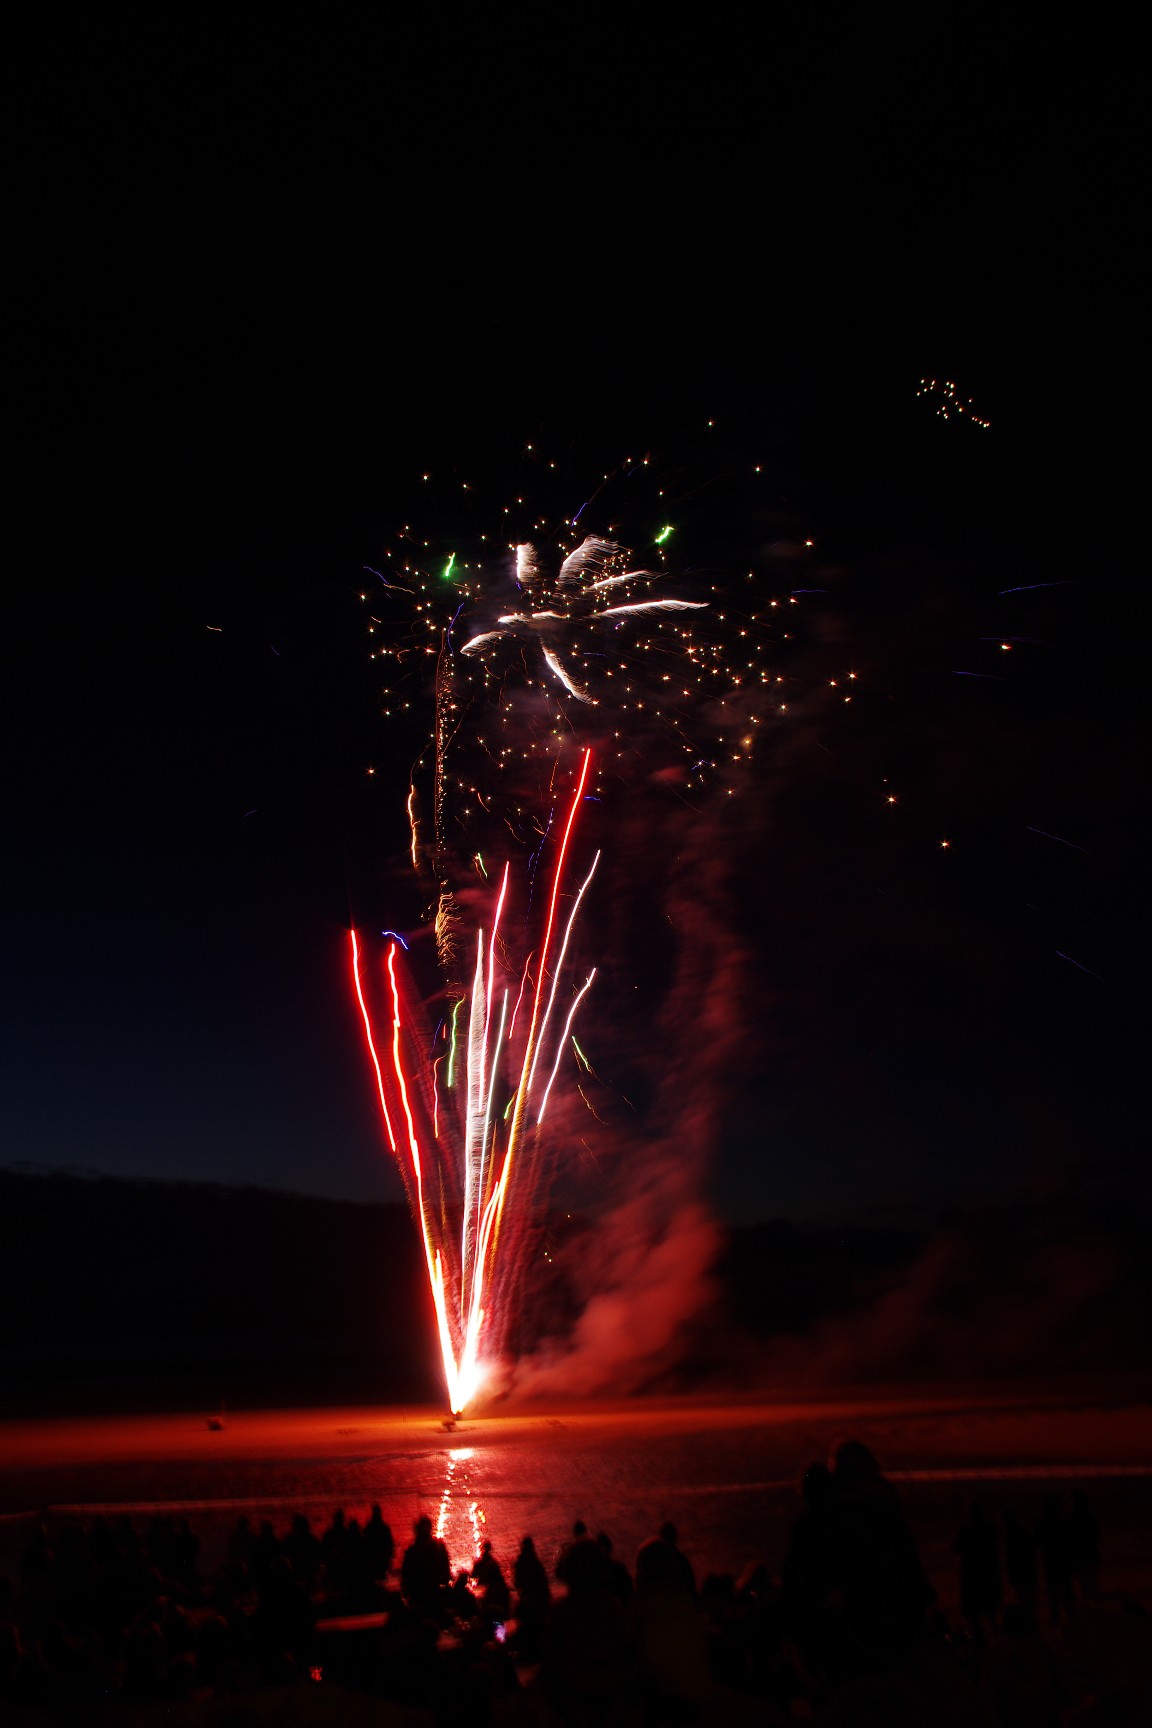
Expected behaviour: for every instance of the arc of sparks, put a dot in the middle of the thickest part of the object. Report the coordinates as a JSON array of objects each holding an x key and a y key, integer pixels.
[{"x": 461, "y": 1271}]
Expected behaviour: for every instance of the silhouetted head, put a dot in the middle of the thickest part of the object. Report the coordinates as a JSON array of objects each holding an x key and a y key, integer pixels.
[
  {"x": 853, "y": 1463},
  {"x": 656, "y": 1564},
  {"x": 579, "y": 1530},
  {"x": 668, "y": 1533},
  {"x": 605, "y": 1541},
  {"x": 422, "y": 1528},
  {"x": 527, "y": 1546}
]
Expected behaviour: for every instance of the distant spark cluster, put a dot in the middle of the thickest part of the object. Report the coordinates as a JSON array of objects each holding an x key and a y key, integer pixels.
[
  {"x": 946, "y": 400},
  {"x": 531, "y": 645}
]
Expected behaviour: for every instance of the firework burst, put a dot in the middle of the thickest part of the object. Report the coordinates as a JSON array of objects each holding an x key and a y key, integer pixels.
[{"x": 559, "y": 675}]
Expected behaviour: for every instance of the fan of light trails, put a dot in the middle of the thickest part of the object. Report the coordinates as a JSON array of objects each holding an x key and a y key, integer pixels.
[{"x": 461, "y": 1110}]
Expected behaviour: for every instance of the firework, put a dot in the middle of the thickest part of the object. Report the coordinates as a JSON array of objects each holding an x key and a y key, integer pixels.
[
  {"x": 464, "y": 1109},
  {"x": 550, "y": 672}
]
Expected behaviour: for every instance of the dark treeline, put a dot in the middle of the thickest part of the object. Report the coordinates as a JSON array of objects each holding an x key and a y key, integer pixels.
[
  {"x": 134, "y": 1293},
  {"x": 129, "y": 1292}
]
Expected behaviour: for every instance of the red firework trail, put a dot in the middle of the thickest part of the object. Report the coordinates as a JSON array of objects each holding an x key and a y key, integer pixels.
[{"x": 459, "y": 1154}]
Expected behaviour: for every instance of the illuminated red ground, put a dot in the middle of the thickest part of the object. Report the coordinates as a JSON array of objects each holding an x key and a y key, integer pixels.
[{"x": 723, "y": 1471}]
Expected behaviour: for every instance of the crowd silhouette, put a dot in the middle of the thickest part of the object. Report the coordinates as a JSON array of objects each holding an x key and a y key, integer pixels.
[{"x": 107, "y": 1615}]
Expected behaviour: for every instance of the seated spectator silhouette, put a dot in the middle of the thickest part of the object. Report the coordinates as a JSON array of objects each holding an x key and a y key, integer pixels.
[
  {"x": 425, "y": 1572},
  {"x": 494, "y": 1594}
]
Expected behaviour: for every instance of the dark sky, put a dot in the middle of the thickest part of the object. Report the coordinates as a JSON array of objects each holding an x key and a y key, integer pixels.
[{"x": 271, "y": 272}]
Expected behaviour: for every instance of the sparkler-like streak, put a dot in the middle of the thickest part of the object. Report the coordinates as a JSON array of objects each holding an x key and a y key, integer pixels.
[
  {"x": 578, "y": 601},
  {"x": 458, "y": 1150}
]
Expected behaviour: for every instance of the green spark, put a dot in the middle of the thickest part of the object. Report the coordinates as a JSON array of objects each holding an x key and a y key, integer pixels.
[
  {"x": 581, "y": 1056},
  {"x": 663, "y": 535},
  {"x": 508, "y": 1111},
  {"x": 446, "y": 573},
  {"x": 479, "y": 863},
  {"x": 452, "y": 1045}
]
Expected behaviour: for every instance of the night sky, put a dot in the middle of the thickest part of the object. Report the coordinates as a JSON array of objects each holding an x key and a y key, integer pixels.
[{"x": 271, "y": 273}]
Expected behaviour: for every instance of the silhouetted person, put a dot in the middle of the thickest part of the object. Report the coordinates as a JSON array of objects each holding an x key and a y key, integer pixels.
[
  {"x": 302, "y": 1547},
  {"x": 668, "y": 1533},
  {"x": 979, "y": 1554},
  {"x": 586, "y": 1663},
  {"x": 380, "y": 1545},
  {"x": 1083, "y": 1543},
  {"x": 1052, "y": 1541},
  {"x": 239, "y": 1549},
  {"x": 886, "y": 1592},
  {"x": 489, "y": 1575},
  {"x": 811, "y": 1578},
  {"x": 533, "y": 1600},
  {"x": 333, "y": 1548},
  {"x": 1020, "y": 1562},
  {"x": 425, "y": 1572},
  {"x": 265, "y": 1552},
  {"x": 583, "y": 1554},
  {"x": 671, "y": 1643}
]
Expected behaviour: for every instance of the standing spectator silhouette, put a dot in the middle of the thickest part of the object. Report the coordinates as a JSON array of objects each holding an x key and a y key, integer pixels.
[
  {"x": 671, "y": 1640},
  {"x": 1083, "y": 1547},
  {"x": 811, "y": 1582},
  {"x": 1052, "y": 1541},
  {"x": 669, "y": 1534},
  {"x": 587, "y": 1662},
  {"x": 578, "y": 1552},
  {"x": 379, "y": 1544},
  {"x": 886, "y": 1592},
  {"x": 1020, "y": 1562},
  {"x": 302, "y": 1547},
  {"x": 425, "y": 1572},
  {"x": 979, "y": 1555},
  {"x": 333, "y": 1552},
  {"x": 533, "y": 1600}
]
